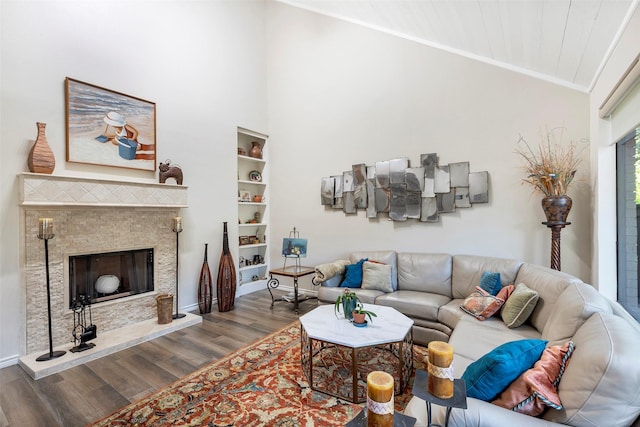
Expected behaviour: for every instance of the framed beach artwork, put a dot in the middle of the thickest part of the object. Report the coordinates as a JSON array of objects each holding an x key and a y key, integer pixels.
[{"x": 109, "y": 128}]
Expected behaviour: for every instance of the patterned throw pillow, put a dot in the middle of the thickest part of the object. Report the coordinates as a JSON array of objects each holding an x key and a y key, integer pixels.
[
  {"x": 481, "y": 304},
  {"x": 377, "y": 276},
  {"x": 488, "y": 376},
  {"x": 490, "y": 282},
  {"x": 517, "y": 309},
  {"x": 353, "y": 275},
  {"x": 537, "y": 388}
]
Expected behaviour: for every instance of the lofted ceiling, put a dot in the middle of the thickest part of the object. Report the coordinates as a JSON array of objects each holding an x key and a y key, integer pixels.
[{"x": 563, "y": 41}]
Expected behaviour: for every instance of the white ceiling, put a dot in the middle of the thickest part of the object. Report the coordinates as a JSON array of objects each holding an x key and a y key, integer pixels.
[{"x": 563, "y": 41}]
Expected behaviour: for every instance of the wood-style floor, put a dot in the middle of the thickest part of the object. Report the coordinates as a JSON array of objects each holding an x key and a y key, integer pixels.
[{"x": 88, "y": 392}]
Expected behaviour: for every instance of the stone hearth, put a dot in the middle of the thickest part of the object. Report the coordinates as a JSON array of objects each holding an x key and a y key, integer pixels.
[{"x": 89, "y": 216}]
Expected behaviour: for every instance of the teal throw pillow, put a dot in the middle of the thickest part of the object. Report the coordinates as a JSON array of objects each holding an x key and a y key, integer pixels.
[
  {"x": 490, "y": 282},
  {"x": 353, "y": 275},
  {"x": 488, "y": 376}
]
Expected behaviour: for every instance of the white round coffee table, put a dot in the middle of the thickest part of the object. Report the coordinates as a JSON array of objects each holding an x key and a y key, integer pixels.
[{"x": 337, "y": 356}]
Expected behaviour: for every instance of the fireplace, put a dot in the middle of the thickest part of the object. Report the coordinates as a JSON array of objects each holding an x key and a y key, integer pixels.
[
  {"x": 110, "y": 275},
  {"x": 96, "y": 216}
]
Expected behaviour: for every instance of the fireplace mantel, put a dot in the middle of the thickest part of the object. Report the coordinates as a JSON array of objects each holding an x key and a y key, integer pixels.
[{"x": 41, "y": 190}]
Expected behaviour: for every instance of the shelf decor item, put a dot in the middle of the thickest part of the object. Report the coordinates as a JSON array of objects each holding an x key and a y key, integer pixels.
[
  {"x": 550, "y": 170},
  {"x": 226, "y": 284},
  {"x": 41, "y": 159},
  {"x": 177, "y": 228},
  {"x": 205, "y": 290},
  {"x": 256, "y": 150},
  {"x": 45, "y": 232}
]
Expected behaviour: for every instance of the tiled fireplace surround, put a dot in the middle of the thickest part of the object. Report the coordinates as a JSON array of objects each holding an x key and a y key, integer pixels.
[{"x": 92, "y": 216}]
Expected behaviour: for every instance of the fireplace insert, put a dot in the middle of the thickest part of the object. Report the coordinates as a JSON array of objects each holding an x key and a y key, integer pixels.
[{"x": 107, "y": 276}]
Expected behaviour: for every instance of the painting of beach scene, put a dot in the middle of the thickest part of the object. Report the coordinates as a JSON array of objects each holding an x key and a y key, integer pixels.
[{"x": 109, "y": 128}]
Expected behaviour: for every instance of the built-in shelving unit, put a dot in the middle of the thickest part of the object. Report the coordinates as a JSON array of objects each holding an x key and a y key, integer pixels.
[{"x": 253, "y": 215}]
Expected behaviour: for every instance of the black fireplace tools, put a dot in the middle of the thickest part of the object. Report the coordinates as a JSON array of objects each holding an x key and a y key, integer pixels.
[{"x": 83, "y": 332}]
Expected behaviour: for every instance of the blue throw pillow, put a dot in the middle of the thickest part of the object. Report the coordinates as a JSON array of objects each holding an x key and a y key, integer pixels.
[
  {"x": 490, "y": 282},
  {"x": 488, "y": 376},
  {"x": 353, "y": 275}
]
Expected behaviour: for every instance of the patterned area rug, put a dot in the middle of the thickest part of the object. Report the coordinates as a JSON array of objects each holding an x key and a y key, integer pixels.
[{"x": 259, "y": 385}]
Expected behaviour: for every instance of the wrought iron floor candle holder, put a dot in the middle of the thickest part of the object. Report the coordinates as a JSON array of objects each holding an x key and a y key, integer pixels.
[
  {"x": 45, "y": 232},
  {"x": 177, "y": 228}
]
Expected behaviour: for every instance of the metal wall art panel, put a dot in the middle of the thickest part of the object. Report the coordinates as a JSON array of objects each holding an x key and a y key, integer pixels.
[
  {"x": 360, "y": 185},
  {"x": 442, "y": 180},
  {"x": 459, "y": 174},
  {"x": 429, "y": 163},
  {"x": 327, "y": 195},
  {"x": 398, "y": 202},
  {"x": 414, "y": 178},
  {"x": 479, "y": 187},
  {"x": 462, "y": 197},
  {"x": 338, "y": 191},
  {"x": 404, "y": 192},
  {"x": 382, "y": 174},
  {"x": 371, "y": 192},
  {"x": 414, "y": 204},
  {"x": 429, "y": 210}
]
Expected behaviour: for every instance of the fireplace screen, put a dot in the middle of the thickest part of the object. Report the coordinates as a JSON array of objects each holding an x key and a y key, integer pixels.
[{"x": 107, "y": 276}]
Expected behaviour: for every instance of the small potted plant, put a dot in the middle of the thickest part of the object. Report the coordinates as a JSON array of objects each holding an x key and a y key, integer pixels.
[
  {"x": 360, "y": 315},
  {"x": 348, "y": 300}
]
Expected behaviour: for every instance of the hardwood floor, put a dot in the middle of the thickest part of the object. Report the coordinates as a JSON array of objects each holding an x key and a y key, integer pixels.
[{"x": 91, "y": 391}]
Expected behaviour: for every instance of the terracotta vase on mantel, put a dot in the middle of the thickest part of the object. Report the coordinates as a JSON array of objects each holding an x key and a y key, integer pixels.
[{"x": 41, "y": 159}]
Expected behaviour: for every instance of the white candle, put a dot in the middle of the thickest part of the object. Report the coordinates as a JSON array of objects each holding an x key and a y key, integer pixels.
[
  {"x": 177, "y": 224},
  {"x": 45, "y": 228}
]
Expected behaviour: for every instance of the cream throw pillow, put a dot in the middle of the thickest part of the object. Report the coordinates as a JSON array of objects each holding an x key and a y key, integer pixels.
[{"x": 376, "y": 276}]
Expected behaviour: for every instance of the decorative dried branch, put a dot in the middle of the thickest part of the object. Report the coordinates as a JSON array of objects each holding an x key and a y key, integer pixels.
[{"x": 550, "y": 168}]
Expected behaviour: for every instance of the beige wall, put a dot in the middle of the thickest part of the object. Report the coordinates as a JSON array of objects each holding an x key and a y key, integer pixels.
[
  {"x": 603, "y": 154},
  {"x": 202, "y": 63},
  {"x": 341, "y": 94}
]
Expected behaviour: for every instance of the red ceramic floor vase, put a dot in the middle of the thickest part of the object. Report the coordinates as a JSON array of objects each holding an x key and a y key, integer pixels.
[
  {"x": 226, "y": 285},
  {"x": 205, "y": 290}
]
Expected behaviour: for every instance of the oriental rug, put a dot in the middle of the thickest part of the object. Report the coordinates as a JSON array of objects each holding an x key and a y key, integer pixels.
[{"x": 259, "y": 385}]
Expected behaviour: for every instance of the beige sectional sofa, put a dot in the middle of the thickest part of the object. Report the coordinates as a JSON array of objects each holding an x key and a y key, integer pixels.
[{"x": 601, "y": 383}]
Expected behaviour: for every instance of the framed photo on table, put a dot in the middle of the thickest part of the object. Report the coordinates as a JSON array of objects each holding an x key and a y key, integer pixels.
[{"x": 109, "y": 128}]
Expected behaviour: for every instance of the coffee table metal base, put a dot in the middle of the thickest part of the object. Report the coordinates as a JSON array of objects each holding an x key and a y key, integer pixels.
[{"x": 341, "y": 371}]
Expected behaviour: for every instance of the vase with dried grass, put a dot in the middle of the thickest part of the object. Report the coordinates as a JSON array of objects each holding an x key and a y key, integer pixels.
[{"x": 550, "y": 169}]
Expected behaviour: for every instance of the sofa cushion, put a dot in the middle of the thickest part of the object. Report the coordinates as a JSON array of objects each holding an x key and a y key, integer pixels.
[
  {"x": 490, "y": 282},
  {"x": 376, "y": 276},
  {"x": 473, "y": 339},
  {"x": 450, "y": 313},
  {"x": 386, "y": 257},
  {"x": 353, "y": 275},
  {"x": 537, "y": 388},
  {"x": 600, "y": 384},
  {"x": 467, "y": 271},
  {"x": 488, "y": 376},
  {"x": 519, "y": 306},
  {"x": 425, "y": 272},
  {"x": 549, "y": 284},
  {"x": 422, "y": 305},
  {"x": 574, "y": 305}
]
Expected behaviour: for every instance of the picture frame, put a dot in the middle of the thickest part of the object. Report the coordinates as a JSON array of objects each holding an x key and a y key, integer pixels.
[
  {"x": 294, "y": 247},
  {"x": 109, "y": 128},
  {"x": 245, "y": 196}
]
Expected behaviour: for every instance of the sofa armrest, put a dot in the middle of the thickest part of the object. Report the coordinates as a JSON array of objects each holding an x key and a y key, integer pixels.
[
  {"x": 477, "y": 414},
  {"x": 333, "y": 282}
]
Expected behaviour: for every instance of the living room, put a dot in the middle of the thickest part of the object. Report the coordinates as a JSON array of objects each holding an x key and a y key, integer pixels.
[{"x": 329, "y": 94}]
